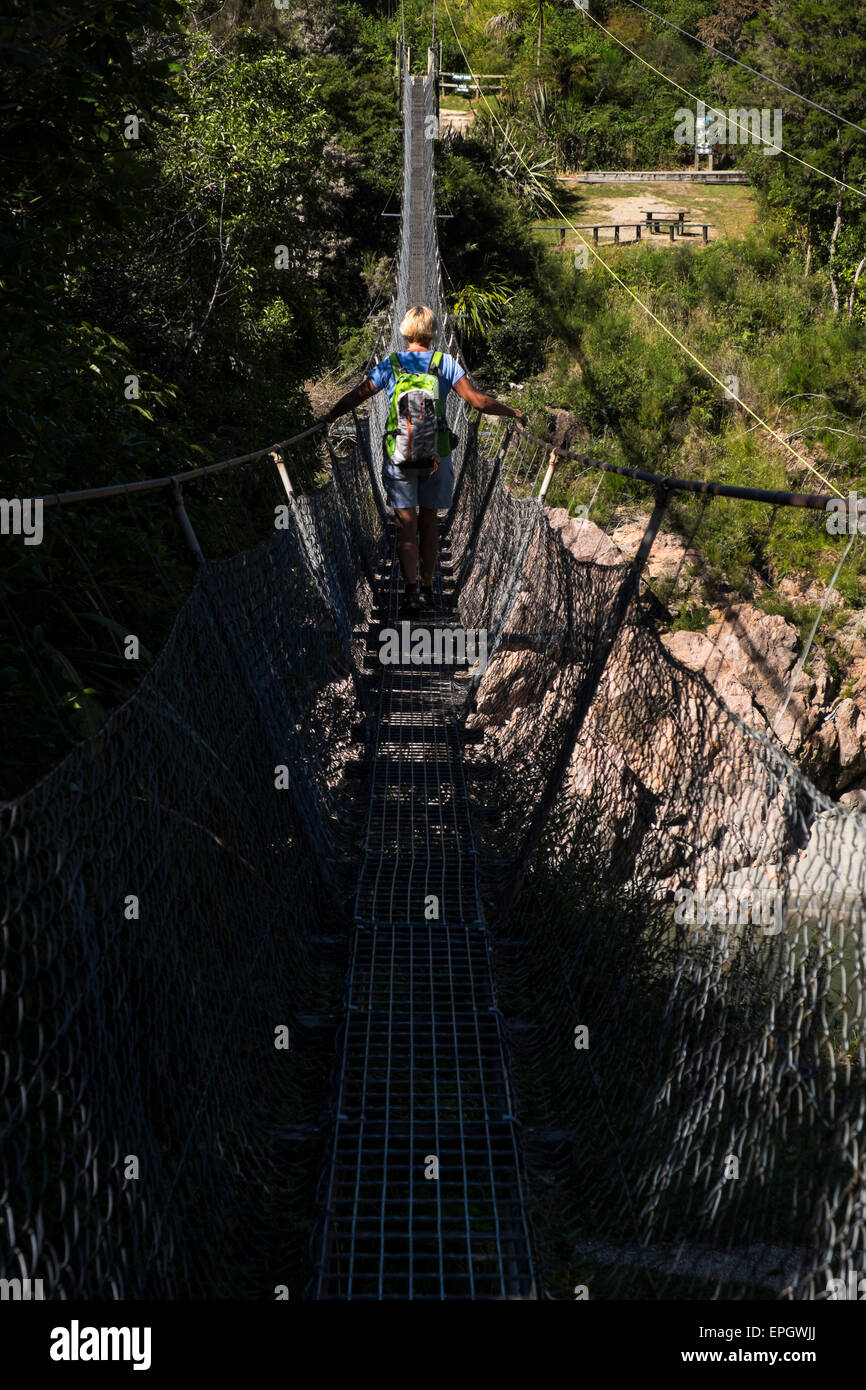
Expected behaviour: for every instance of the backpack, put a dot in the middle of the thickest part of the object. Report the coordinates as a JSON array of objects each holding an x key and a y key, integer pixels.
[{"x": 417, "y": 435}]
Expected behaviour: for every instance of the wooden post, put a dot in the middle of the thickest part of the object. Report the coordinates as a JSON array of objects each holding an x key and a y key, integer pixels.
[
  {"x": 595, "y": 235},
  {"x": 551, "y": 465},
  {"x": 616, "y": 234},
  {"x": 561, "y": 238},
  {"x": 185, "y": 523},
  {"x": 673, "y": 231},
  {"x": 281, "y": 469},
  {"x": 706, "y": 238},
  {"x": 637, "y": 231}
]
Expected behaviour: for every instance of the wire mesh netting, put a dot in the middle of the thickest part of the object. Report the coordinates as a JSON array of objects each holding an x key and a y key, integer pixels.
[
  {"x": 699, "y": 908},
  {"x": 630, "y": 1034},
  {"x": 162, "y": 890}
]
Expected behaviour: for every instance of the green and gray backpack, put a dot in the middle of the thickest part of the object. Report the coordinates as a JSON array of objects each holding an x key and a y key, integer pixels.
[{"x": 417, "y": 434}]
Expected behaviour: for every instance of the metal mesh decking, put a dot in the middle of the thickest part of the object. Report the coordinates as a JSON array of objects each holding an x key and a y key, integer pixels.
[{"x": 424, "y": 1194}]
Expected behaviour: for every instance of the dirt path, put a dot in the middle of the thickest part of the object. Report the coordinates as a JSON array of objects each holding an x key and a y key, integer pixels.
[
  {"x": 728, "y": 208},
  {"x": 454, "y": 120}
]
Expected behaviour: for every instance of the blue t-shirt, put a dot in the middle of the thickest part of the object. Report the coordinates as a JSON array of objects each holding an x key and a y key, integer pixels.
[{"x": 450, "y": 371}]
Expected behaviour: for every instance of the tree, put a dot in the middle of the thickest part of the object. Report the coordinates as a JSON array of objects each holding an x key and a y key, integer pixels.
[{"x": 820, "y": 53}]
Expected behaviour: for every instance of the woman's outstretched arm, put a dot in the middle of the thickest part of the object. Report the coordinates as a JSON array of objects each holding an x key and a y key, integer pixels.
[
  {"x": 351, "y": 399},
  {"x": 488, "y": 404}
]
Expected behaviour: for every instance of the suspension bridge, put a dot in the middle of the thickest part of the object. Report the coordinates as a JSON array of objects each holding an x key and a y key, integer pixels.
[{"x": 330, "y": 979}]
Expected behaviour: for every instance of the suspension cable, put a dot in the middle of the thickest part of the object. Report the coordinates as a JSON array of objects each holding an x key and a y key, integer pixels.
[
  {"x": 762, "y": 75},
  {"x": 717, "y": 111}
]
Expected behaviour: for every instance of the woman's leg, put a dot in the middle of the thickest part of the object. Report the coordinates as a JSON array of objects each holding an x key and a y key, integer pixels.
[
  {"x": 428, "y": 523},
  {"x": 407, "y": 542}
]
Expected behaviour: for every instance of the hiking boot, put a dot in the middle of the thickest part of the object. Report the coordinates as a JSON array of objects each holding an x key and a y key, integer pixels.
[{"x": 411, "y": 604}]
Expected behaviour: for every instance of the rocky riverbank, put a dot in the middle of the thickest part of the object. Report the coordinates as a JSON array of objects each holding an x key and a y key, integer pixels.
[{"x": 753, "y": 659}]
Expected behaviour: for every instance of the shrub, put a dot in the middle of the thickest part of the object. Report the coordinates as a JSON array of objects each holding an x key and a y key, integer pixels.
[{"x": 516, "y": 344}]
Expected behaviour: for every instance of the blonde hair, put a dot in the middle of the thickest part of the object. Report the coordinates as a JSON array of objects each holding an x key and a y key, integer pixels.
[{"x": 419, "y": 325}]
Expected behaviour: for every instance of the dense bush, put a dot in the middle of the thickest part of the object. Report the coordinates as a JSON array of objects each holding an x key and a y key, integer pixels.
[
  {"x": 516, "y": 344},
  {"x": 187, "y": 212}
]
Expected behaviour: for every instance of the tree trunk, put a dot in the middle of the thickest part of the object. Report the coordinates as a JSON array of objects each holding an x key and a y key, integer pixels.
[
  {"x": 853, "y": 295},
  {"x": 837, "y": 227}
]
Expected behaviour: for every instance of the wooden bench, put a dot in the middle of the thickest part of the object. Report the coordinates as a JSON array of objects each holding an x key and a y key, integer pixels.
[
  {"x": 673, "y": 224},
  {"x": 652, "y": 219}
]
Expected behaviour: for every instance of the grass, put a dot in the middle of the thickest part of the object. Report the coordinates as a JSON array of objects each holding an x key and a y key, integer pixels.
[
  {"x": 450, "y": 101},
  {"x": 729, "y": 209},
  {"x": 744, "y": 308}
]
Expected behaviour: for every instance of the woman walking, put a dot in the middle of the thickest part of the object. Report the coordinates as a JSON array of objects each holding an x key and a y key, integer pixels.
[{"x": 418, "y": 479}]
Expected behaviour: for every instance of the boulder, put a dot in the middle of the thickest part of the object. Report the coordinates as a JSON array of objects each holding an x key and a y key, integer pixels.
[
  {"x": 847, "y": 728},
  {"x": 699, "y": 653},
  {"x": 751, "y": 659},
  {"x": 584, "y": 539},
  {"x": 854, "y": 800},
  {"x": 671, "y": 563}
]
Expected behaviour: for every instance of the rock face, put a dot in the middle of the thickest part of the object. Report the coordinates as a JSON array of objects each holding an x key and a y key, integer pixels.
[
  {"x": 752, "y": 659},
  {"x": 845, "y": 735},
  {"x": 672, "y": 563},
  {"x": 584, "y": 539},
  {"x": 674, "y": 745}
]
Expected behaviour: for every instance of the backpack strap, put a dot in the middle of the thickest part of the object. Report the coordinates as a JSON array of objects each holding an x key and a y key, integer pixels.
[
  {"x": 395, "y": 365},
  {"x": 434, "y": 367}
]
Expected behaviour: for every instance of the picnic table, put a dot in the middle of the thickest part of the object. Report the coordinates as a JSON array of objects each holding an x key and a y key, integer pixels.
[
  {"x": 674, "y": 222},
  {"x": 654, "y": 219}
]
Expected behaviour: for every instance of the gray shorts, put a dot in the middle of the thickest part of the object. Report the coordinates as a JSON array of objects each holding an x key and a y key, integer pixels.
[{"x": 404, "y": 487}]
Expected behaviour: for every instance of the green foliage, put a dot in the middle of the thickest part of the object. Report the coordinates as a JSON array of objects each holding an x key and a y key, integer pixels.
[
  {"x": 514, "y": 161},
  {"x": 692, "y": 617},
  {"x": 821, "y": 54},
  {"x": 167, "y": 298},
  {"x": 516, "y": 343},
  {"x": 269, "y": 138},
  {"x": 476, "y": 308}
]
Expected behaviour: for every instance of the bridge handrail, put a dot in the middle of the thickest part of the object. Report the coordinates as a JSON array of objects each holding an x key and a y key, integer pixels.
[
  {"x": 817, "y": 501},
  {"x": 170, "y": 479}
]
